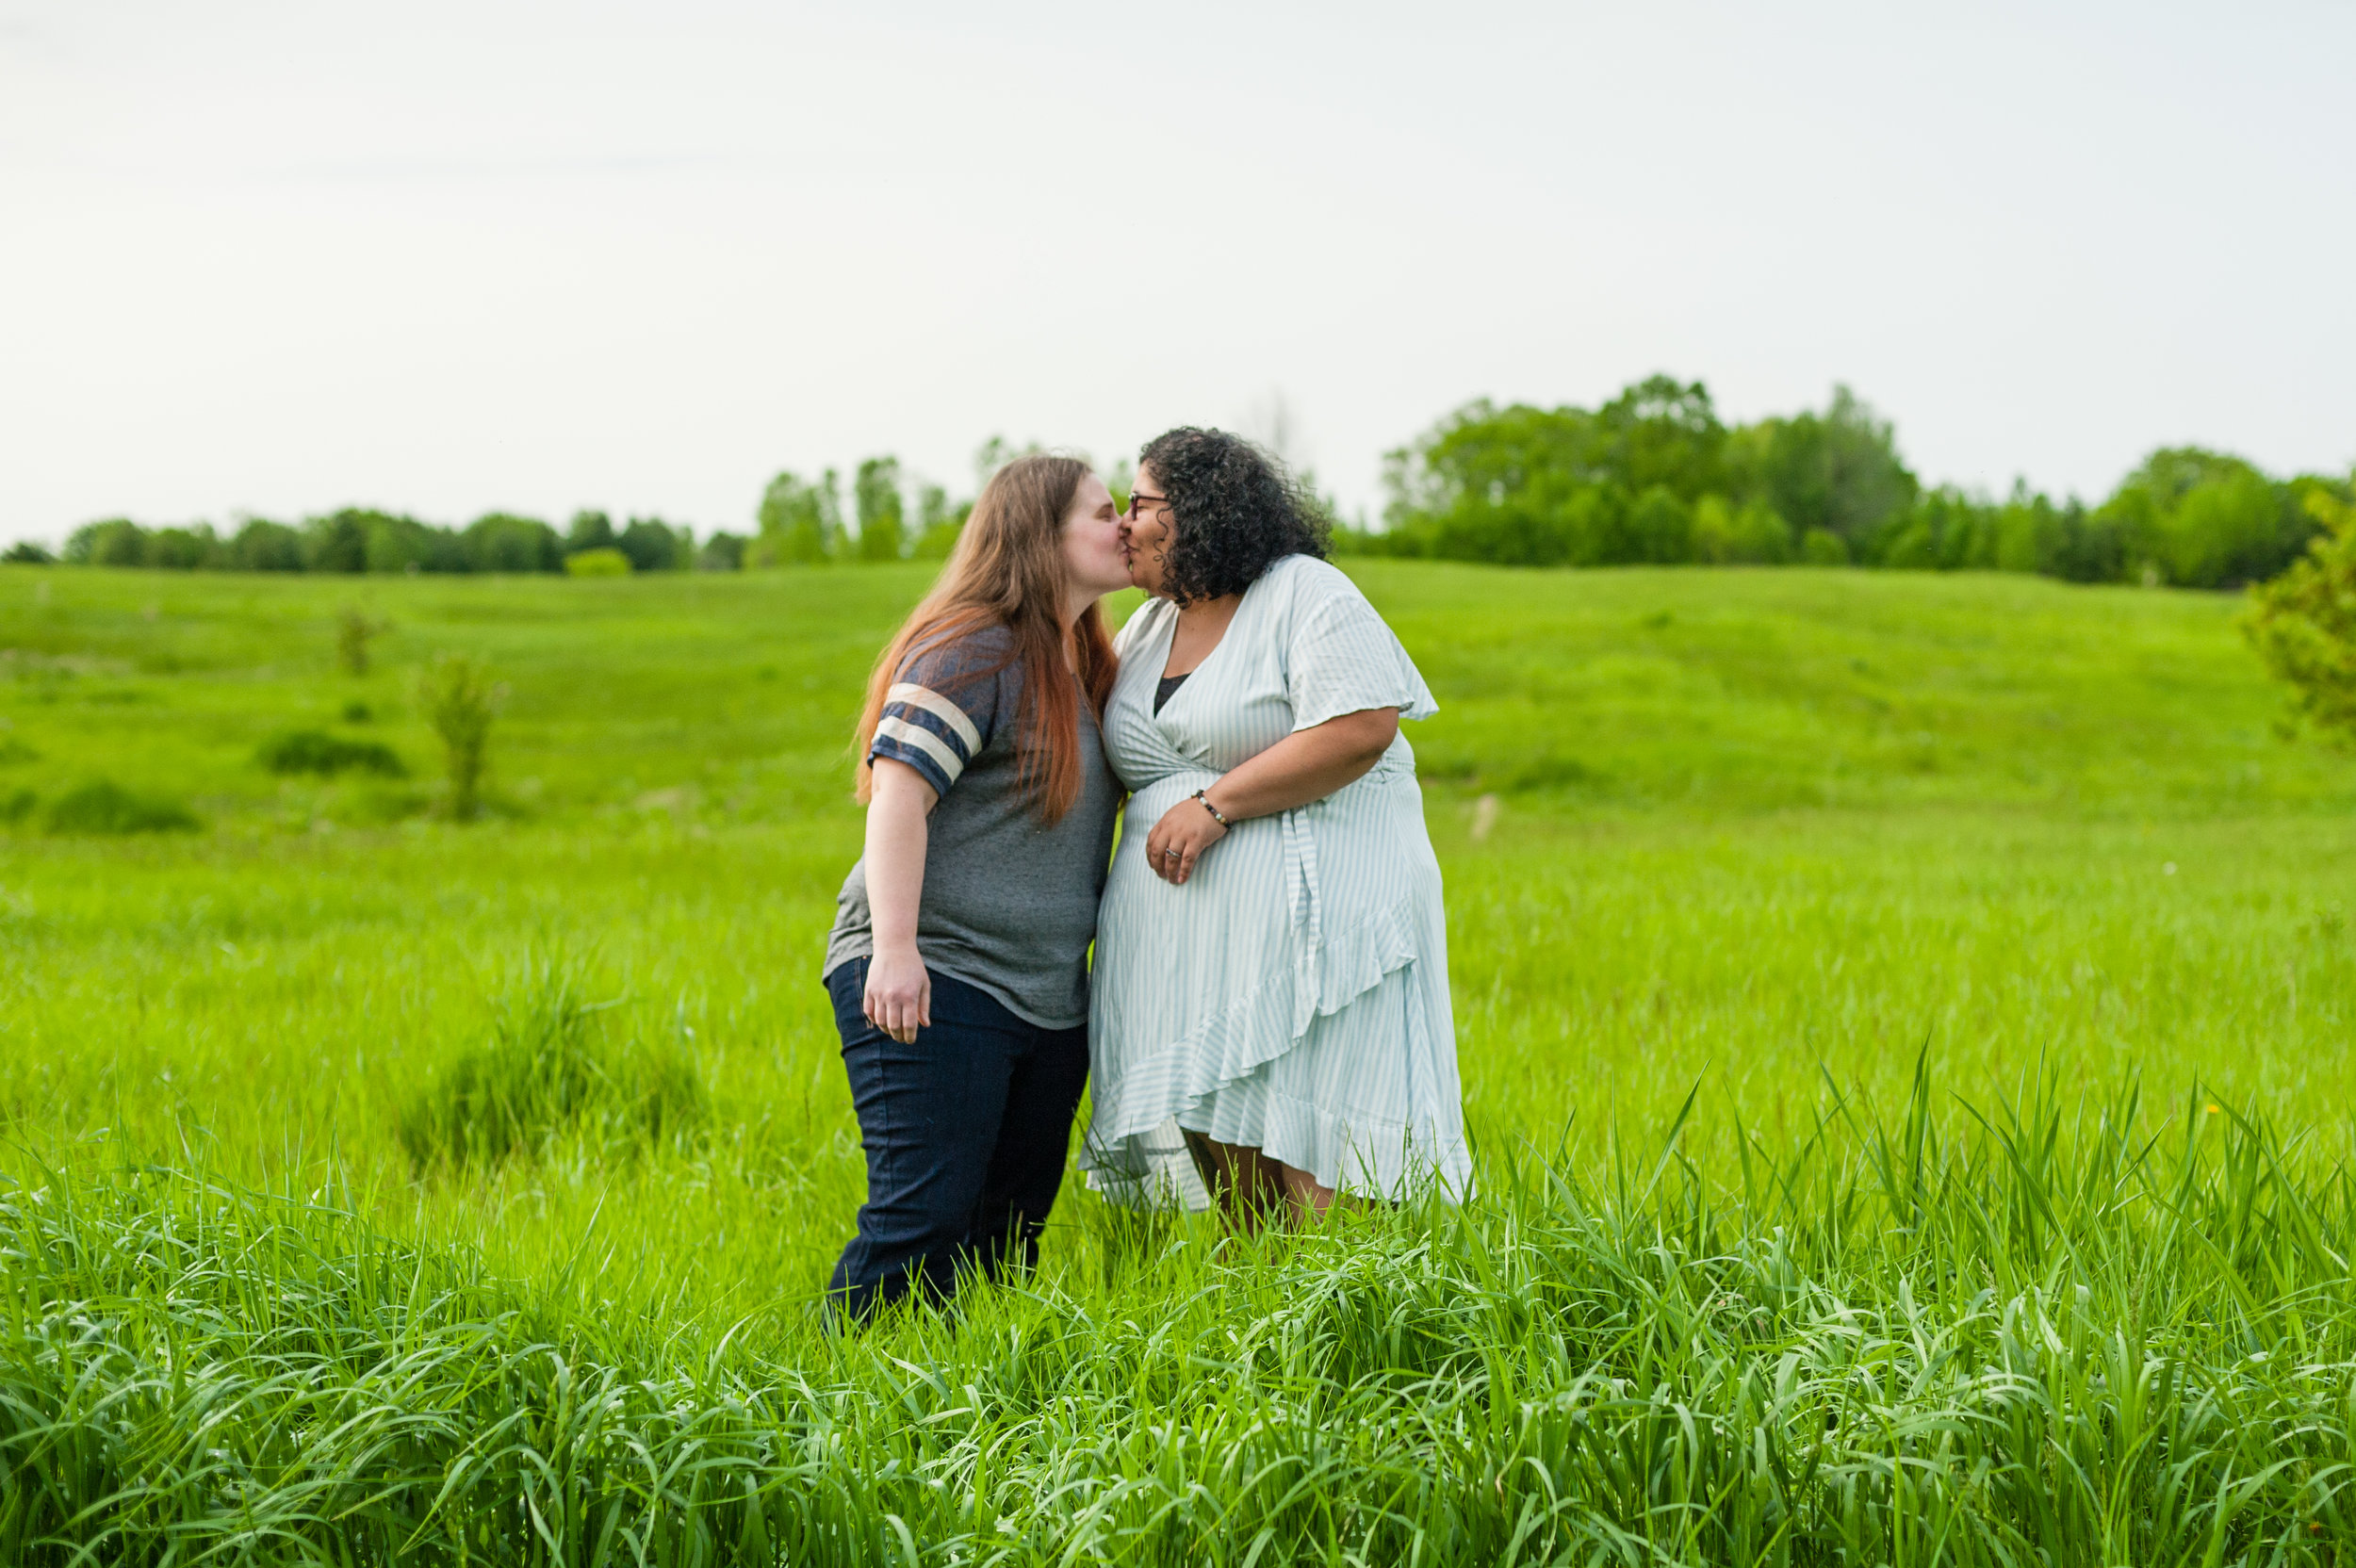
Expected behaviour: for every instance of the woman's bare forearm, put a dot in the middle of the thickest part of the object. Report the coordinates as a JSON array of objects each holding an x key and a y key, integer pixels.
[
  {"x": 1307, "y": 765},
  {"x": 896, "y": 842}
]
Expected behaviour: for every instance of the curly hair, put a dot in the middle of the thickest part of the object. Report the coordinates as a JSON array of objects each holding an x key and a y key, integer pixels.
[{"x": 1237, "y": 513}]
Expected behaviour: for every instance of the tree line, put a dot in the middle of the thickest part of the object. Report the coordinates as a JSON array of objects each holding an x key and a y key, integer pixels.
[
  {"x": 360, "y": 539},
  {"x": 799, "y": 521},
  {"x": 1655, "y": 476}
]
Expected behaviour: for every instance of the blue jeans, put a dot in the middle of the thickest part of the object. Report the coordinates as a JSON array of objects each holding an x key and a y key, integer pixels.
[{"x": 965, "y": 1130}]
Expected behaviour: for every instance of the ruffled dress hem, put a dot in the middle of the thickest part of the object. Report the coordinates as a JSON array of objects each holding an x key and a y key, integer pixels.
[{"x": 1259, "y": 1026}]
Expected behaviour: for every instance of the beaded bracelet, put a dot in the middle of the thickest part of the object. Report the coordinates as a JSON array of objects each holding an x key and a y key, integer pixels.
[{"x": 1217, "y": 815}]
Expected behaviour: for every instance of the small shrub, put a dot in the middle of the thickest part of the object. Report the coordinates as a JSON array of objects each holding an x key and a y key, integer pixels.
[
  {"x": 17, "y": 805},
  {"x": 598, "y": 562},
  {"x": 354, "y": 631},
  {"x": 14, "y": 750},
  {"x": 2303, "y": 625},
  {"x": 1822, "y": 546},
  {"x": 460, "y": 700},
  {"x": 316, "y": 751},
  {"x": 26, "y": 552},
  {"x": 548, "y": 1071},
  {"x": 358, "y": 712},
  {"x": 106, "y": 807}
]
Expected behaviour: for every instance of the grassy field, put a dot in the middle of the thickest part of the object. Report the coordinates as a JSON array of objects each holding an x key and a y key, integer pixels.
[{"x": 1906, "y": 1024}]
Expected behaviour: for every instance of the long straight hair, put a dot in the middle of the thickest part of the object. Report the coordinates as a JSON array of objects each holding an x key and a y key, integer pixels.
[{"x": 1008, "y": 571}]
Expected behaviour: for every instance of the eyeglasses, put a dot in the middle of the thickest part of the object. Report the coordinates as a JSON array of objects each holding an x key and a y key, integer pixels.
[{"x": 1137, "y": 496}]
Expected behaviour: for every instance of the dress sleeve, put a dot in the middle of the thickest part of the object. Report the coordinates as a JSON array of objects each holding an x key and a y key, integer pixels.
[
  {"x": 941, "y": 709},
  {"x": 1343, "y": 658},
  {"x": 1133, "y": 629}
]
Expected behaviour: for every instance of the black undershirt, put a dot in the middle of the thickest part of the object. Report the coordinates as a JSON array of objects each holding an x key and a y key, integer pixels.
[{"x": 1169, "y": 683}]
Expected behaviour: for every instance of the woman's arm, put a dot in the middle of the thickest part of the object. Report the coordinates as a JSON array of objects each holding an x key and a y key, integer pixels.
[
  {"x": 1306, "y": 765},
  {"x": 899, "y": 992}
]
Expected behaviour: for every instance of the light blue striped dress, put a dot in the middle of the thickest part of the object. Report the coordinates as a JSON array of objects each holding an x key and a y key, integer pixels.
[{"x": 1293, "y": 995}]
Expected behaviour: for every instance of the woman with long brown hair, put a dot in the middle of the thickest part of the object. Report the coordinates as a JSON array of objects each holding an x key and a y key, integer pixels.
[{"x": 959, "y": 961}]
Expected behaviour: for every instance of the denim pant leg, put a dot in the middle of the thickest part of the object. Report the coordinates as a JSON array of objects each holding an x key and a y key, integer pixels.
[
  {"x": 1034, "y": 1141},
  {"x": 928, "y": 1116}
]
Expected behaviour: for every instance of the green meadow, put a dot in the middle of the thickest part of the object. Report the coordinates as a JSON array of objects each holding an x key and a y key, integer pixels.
[{"x": 1906, "y": 1024}]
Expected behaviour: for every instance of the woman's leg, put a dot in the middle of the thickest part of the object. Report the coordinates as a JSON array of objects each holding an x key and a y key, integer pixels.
[
  {"x": 1248, "y": 1185},
  {"x": 1309, "y": 1202},
  {"x": 928, "y": 1117},
  {"x": 1252, "y": 1187},
  {"x": 1034, "y": 1143}
]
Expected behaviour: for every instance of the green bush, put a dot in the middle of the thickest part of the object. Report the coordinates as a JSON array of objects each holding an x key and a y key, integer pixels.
[
  {"x": 550, "y": 1070},
  {"x": 2303, "y": 625},
  {"x": 103, "y": 807},
  {"x": 1756, "y": 536},
  {"x": 1822, "y": 546},
  {"x": 603, "y": 561},
  {"x": 17, "y": 805},
  {"x": 316, "y": 751}
]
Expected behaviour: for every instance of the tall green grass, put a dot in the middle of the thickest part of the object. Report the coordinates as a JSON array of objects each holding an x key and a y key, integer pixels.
[
  {"x": 550, "y": 1071},
  {"x": 346, "y": 1221},
  {"x": 2070, "y": 1333}
]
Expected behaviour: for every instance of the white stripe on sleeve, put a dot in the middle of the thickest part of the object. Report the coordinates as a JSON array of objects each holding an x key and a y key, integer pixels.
[
  {"x": 942, "y": 708},
  {"x": 925, "y": 741}
]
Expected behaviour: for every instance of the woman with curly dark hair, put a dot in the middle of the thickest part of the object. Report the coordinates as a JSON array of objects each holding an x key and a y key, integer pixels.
[{"x": 1270, "y": 993}]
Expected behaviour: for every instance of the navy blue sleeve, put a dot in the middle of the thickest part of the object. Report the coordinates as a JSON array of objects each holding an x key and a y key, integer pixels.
[{"x": 943, "y": 707}]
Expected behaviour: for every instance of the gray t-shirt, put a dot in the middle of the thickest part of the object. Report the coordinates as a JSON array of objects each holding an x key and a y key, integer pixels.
[{"x": 1010, "y": 902}]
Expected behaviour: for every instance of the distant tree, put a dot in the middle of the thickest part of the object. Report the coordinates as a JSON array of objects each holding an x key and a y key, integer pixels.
[
  {"x": 801, "y": 521},
  {"x": 1515, "y": 485},
  {"x": 722, "y": 552},
  {"x": 30, "y": 552},
  {"x": 654, "y": 546},
  {"x": 1838, "y": 471},
  {"x": 939, "y": 521},
  {"x": 110, "y": 541},
  {"x": 995, "y": 453},
  {"x": 1660, "y": 530},
  {"x": 589, "y": 531},
  {"x": 881, "y": 524},
  {"x": 262, "y": 546},
  {"x": 184, "y": 549},
  {"x": 2304, "y": 623},
  {"x": 402, "y": 544},
  {"x": 337, "y": 542},
  {"x": 1661, "y": 432},
  {"x": 2207, "y": 519},
  {"x": 503, "y": 542}
]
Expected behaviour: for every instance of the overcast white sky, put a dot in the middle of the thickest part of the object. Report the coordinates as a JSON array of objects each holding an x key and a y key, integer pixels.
[{"x": 277, "y": 257}]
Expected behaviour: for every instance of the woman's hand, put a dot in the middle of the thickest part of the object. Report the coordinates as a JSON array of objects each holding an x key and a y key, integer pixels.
[
  {"x": 1179, "y": 839},
  {"x": 899, "y": 996}
]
